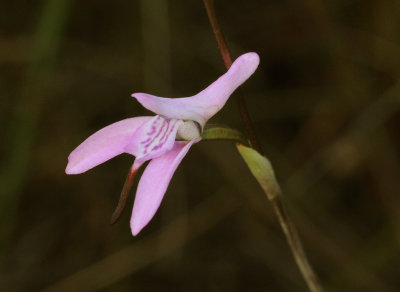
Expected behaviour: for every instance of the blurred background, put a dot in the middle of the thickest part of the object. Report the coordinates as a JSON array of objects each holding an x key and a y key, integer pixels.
[{"x": 325, "y": 102}]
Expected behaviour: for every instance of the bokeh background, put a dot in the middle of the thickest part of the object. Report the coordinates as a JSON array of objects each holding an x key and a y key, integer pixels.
[{"x": 325, "y": 102}]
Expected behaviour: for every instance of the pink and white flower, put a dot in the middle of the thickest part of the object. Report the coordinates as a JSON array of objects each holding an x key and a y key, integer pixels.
[{"x": 164, "y": 139}]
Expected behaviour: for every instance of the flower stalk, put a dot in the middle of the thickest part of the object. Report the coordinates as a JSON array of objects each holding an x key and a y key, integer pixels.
[{"x": 261, "y": 168}]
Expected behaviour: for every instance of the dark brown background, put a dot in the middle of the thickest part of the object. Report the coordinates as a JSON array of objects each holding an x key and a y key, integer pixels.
[{"x": 325, "y": 101}]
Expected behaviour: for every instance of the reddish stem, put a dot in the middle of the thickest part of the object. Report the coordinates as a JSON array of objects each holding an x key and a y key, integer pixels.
[
  {"x": 226, "y": 57},
  {"x": 124, "y": 195}
]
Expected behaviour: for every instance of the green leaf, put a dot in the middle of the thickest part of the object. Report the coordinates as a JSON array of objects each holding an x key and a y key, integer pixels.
[
  {"x": 222, "y": 133},
  {"x": 262, "y": 170}
]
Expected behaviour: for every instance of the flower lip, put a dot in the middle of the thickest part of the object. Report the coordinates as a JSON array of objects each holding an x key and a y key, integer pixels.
[{"x": 153, "y": 138}]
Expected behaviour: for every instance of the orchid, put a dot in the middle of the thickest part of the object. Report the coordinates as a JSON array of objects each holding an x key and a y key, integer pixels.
[{"x": 164, "y": 139}]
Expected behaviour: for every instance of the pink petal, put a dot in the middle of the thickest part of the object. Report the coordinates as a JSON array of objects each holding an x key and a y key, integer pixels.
[
  {"x": 154, "y": 183},
  {"x": 103, "y": 145},
  {"x": 208, "y": 102},
  {"x": 153, "y": 138}
]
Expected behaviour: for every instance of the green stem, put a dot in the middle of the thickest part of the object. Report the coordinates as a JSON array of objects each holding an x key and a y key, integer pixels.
[
  {"x": 295, "y": 244},
  {"x": 270, "y": 187},
  {"x": 262, "y": 170}
]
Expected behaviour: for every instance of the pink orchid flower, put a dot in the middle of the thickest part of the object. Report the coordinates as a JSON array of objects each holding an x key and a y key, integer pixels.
[{"x": 164, "y": 139}]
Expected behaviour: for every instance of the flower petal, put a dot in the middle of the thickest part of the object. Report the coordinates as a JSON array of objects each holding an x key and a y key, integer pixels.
[
  {"x": 208, "y": 102},
  {"x": 103, "y": 145},
  {"x": 153, "y": 138},
  {"x": 154, "y": 183}
]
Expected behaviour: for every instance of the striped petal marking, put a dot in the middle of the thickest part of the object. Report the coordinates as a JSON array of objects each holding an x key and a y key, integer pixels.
[{"x": 153, "y": 138}]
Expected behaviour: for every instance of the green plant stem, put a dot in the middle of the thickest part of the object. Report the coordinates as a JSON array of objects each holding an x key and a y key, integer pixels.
[
  {"x": 273, "y": 191},
  {"x": 262, "y": 170},
  {"x": 226, "y": 57},
  {"x": 295, "y": 244}
]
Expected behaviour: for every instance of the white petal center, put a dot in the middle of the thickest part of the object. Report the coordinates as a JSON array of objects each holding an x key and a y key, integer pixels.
[{"x": 188, "y": 131}]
